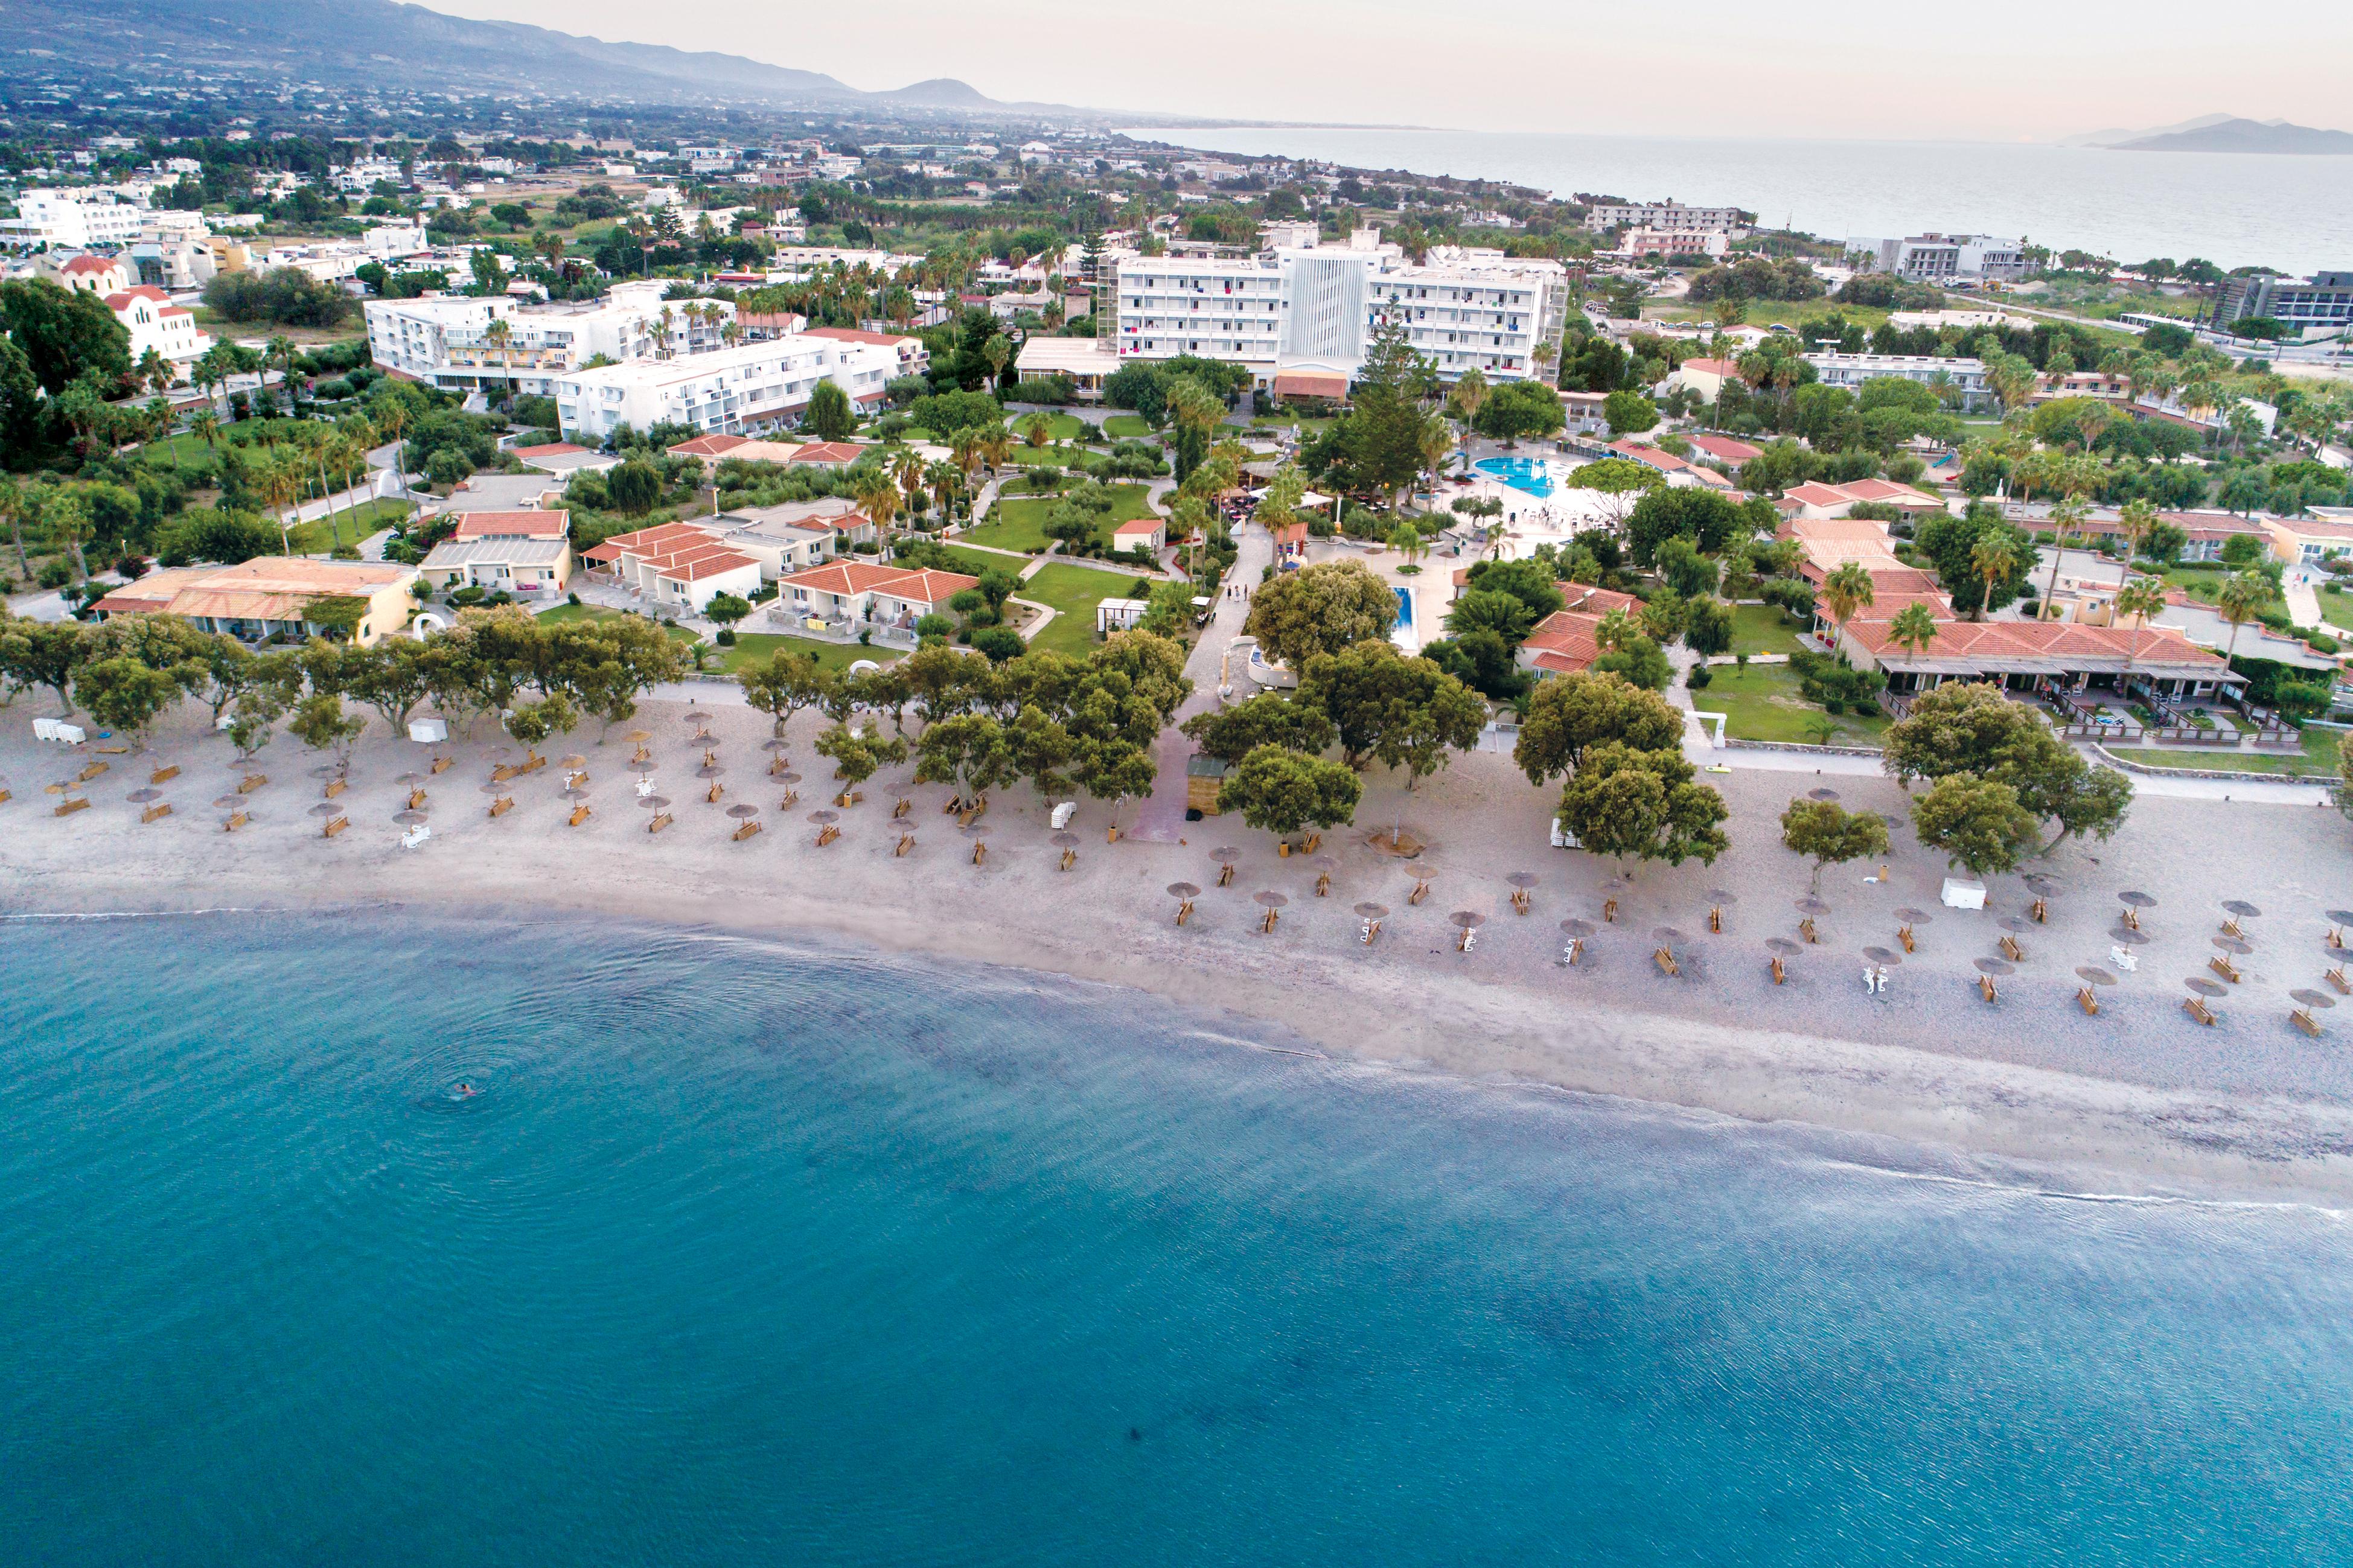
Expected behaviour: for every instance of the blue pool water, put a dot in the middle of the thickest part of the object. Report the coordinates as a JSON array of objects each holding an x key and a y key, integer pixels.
[
  {"x": 1529, "y": 474},
  {"x": 748, "y": 1254},
  {"x": 1405, "y": 610}
]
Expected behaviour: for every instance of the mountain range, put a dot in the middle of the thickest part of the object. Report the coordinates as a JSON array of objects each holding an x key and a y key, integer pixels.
[
  {"x": 2220, "y": 133},
  {"x": 333, "y": 42}
]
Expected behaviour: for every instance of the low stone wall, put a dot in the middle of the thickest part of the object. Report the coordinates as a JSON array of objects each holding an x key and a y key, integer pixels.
[
  {"x": 1733, "y": 743},
  {"x": 2226, "y": 776}
]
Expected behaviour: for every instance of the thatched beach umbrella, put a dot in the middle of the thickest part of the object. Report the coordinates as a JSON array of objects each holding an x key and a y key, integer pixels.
[
  {"x": 573, "y": 793},
  {"x": 1521, "y": 882},
  {"x": 1886, "y": 956},
  {"x": 1184, "y": 893},
  {"x": 2092, "y": 975},
  {"x": 327, "y": 771},
  {"x": 143, "y": 795},
  {"x": 408, "y": 818},
  {"x": 228, "y": 801},
  {"x": 1271, "y": 902},
  {"x": 2232, "y": 945},
  {"x": 326, "y": 808},
  {"x": 1324, "y": 865},
  {"x": 1224, "y": 857},
  {"x": 2241, "y": 908},
  {"x": 653, "y": 801},
  {"x": 1783, "y": 948}
]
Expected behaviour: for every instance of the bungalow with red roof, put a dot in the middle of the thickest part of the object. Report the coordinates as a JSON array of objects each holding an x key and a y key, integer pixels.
[
  {"x": 1704, "y": 377},
  {"x": 715, "y": 450},
  {"x": 1142, "y": 533},
  {"x": 679, "y": 565},
  {"x": 1725, "y": 449},
  {"x": 1817, "y": 500},
  {"x": 827, "y": 455},
  {"x": 1657, "y": 457},
  {"x": 563, "y": 458},
  {"x": 2041, "y": 656},
  {"x": 843, "y": 594},
  {"x": 1561, "y": 644},
  {"x": 526, "y": 552}
]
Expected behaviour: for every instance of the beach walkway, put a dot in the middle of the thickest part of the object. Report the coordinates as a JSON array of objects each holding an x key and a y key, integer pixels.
[{"x": 1160, "y": 817}]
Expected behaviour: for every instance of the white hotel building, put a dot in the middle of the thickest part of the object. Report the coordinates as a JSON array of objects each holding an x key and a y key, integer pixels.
[
  {"x": 1314, "y": 307},
  {"x": 445, "y": 341},
  {"x": 733, "y": 392}
]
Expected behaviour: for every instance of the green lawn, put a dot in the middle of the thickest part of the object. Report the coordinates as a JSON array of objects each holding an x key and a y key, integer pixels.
[
  {"x": 1020, "y": 524},
  {"x": 2204, "y": 586},
  {"x": 2319, "y": 758},
  {"x": 1763, "y": 628},
  {"x": 1033, "y": 457},
  {"x": 758, "y": 648},
  {"x": 1761, "y": 704},
  {"x": 1075, "y": 591},
  {"x": 1127, "y": 427},
  {"x": 1061, "y": 427},
  {"x": 976, "y": 562},
  {"x": 351, "y": 524},
  {"x": 2335, "y": 608},
  {"x": 599, "y": 613}
]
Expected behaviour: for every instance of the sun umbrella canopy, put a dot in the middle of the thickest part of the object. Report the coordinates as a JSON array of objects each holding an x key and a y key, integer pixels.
[
  {"x": 743, "y": 809},
  {"x": 1469, "y": 920},
  {"x": 2205, "y": 987},
  {"x": 1522, "y": 879},
  {"x": 2232, "y": 945},
  {"x": 1995, "y": 966},
  {"x": 1372, "y": 911},
  {"x": 2093, "y": 976},
  {"x": 2138, "y": 900},
  {"x": 1183, "y": 891},
  {"x": 142, "y": 797},
  {"x": 1784, "y": 946},
  {"x": 1578, "y": 928},
  {"x": 326, "y": 808},
  {"x": 653, "y": 801},
  {"x": 2241, "y": 908},
  {"x": 1270, "y": 898},
  {"x": 822, "y": 817},
  {"x": 408, "y": 818},
  {"x": 1887, "y": 956},
  {"x": 2320, "y": 999}
]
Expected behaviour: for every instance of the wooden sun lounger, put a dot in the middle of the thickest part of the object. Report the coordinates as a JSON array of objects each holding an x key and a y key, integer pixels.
[
  {"x": 1324, "y": 884},
  {"x": 1421, "y": 890},
  {"x": 2335, "y": 977},
  {"x": 92, "y": 771},
  {"x": 792, "y": 798},
  {"x": 337, "y": 826},
  {"x": 2198, "y": 1009},
  {"x": 641, "y": 755},
  {"x": 501, "y": 806},
  {"x": 2303, "y": 1019},
  {"x": 1224, "y": 874},
  {"x": 1715, "y": 917},
  {"x": 661, "y": 820},
  {"x": 900, "y": 810},
  {"x": 2089, "y": 1002},
  {"x": 533, "y": 766},
  {"x": 580, "y": 814},
  {"x": 2221, "y": 966},
  {"x": 1780, "y": 973},
  {"x": 504, "y": 771},
  {"x": 1610, "y": 911},
  {"x": 163, "y": 775},
  {"x": 1987, "y": 989},
  {"x": 7, "y": 794},
  {"x": 157, "y": 812},
  {"x": 1070, "y": 858},
  {"x": 906, "y": 842},
  {"x": 1665, "y": 961},
  {"x": 416, "y": 800},
  {"x": 1183, "y": 911},
  {"x": 68, "y": 808},
  {"x": 1266, "y": 925},
  {"x": 112, "y": 751},
  {"x": 746, "y": 831},
  {"x": 334, "y": 787},
  {"x": 236, "y": 819},
  {"x": 250, "y": 783},
  {"x": 2011, "y": 951},
  {"x": 979, "y": 850},
  {"x": 1805, "y": 930},
  {"x": 440, "y": 764},
  {"x": 2041, "y": 912},
  {"x": 715, "y": 793},
  {"x": 831, "y": 833}
]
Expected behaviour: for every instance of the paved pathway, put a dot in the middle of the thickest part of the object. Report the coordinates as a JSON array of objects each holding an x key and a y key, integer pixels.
[
  {"x": 2302, "y": 601},
  {"x": 1160, "y": 817}
]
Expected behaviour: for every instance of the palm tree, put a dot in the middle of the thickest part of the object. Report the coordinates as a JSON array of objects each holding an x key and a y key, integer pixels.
[
  {"x": 1845, "y": 592},
  {"x": 907, "y": 468},
  {"x": 1437, "y": 442},
  {"x": 877, "y": 497},
  {"x": 1992, "y": 559},
  {"x": 207, "y": 424},
  {"x": 1037, "y": 431},
  {"x": 994, "y": 443},
  {"x": 279, "y": 479},
  {"x": 67, "y": 517},
  {"x": 1470, "y": 396},
  {"x": 2135, "y": 522},
  {"x": 154, "y": 370},
  {"x": 1913, "y": 629},
  {"x": 2242, "y": 596},
  {"x": 280, "y": 351},
  {"x": 996, "y": 351},
  {"x": 392, "y": 420},
  {"x": 964, "y": 450},
  {"x": 2066, "y": 518},
  {"x": 2140, "y": 598},
  {"x": 945, "y": 479}
]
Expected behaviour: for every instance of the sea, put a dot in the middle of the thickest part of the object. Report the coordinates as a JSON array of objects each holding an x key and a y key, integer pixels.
[
  {"x": 2294, "y": 214},
  {"x": 376, "y": 1239}
]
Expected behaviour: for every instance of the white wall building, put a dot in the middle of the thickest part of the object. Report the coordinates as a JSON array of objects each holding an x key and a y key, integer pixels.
[
  {"x": 1316, "y": 307},
  {"x": 447, "y": 340},
  {"x": 1664, "y": 215},
  {"x": 154, "y": 323},
  {"x": 734, "y": 391},
  {"x": 1966, "y": 376},
  {"x": 1931, "y": 258},
  {"x": 71, "y": 219}
]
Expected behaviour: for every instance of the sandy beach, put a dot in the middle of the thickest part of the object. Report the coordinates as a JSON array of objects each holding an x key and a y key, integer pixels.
[{"x": 2137, "y": 1099}]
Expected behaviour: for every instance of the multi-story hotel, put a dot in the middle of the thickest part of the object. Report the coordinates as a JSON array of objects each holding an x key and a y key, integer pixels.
[
  {"x": 449, "y": 340},
  {"x": 1314, "y": 307},
  {"x": 734, "y": 391}
]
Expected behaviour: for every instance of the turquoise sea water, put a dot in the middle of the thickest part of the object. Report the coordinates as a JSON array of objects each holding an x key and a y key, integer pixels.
[{"x": 750, "y": 1255}]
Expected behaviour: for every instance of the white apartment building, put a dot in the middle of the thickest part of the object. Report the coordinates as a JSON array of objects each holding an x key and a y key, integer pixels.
[
  {"x": 734, "y": 392},
  {"x": 1966, "y": 376},
  {"x": 447, "y": 340},
  {"x": 70, "y": 220},
  {"x": 1935, "y": 258},
  {"x": 385, "y": 240},
  {"x": 1315, "y": 308},
  {"x": 1664, "y": 215}
]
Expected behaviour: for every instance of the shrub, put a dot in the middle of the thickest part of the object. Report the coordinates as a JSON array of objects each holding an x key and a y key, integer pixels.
[{"x": 1698, "y": 677}]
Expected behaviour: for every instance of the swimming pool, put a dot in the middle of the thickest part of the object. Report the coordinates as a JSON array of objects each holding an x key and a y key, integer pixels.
[
  {"x": 1533, "y": 475},
  {"x": 1403, "y": 634}
]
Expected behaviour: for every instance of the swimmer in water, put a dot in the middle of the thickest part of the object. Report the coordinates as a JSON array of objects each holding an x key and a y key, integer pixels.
[{"x": 465, "y": 1091}]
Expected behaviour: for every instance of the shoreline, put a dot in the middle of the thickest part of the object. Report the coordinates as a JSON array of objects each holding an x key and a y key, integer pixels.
[{"x": 2029, "y": 1092}]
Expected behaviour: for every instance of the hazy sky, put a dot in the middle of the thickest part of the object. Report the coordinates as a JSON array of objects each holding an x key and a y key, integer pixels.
[{"x": 1997, "y": 69}]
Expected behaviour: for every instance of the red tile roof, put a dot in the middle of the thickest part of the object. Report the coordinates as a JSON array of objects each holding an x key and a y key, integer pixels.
[
  {"x": 1665, "y": 461},
  {"x": 835, "y": 453},
  {"x": 923, "y": 586},
  {"x": 708, "y": 445},
  {"x": 1994, "y": 642},
  {"x": 523, "y": 524},
  {"x": 705, "y": 563},
  {"x": 1310, "y": 384},
  {"x": 547, "y": 449},
  {"x": 859, "y": 335},
  {"x": 1725, "y": 449},
  {"x": 1563, "y": 642},
  {"x": 90, "y": 263}
]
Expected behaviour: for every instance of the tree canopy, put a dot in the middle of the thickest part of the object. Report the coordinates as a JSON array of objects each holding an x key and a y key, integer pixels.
[{"x": 1321, "y": 609}]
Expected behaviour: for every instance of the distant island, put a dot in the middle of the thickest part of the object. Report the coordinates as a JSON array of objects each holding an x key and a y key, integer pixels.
[{"x": 2243, "y": 136}]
